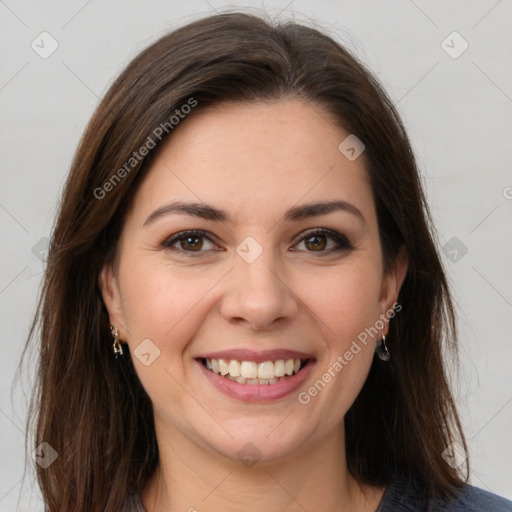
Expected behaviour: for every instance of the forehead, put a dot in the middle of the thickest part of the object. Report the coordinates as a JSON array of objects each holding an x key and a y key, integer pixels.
[{"x": 260, "y": 157}]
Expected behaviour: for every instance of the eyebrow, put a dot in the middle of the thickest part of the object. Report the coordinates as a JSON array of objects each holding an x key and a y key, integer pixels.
[{"x": 208, "y": 212}]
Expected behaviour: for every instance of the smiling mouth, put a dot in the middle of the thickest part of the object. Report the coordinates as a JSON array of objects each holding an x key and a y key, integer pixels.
[{"x": 253, "y": 373}]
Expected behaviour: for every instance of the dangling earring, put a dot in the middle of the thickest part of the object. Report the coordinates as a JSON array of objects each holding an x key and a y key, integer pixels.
[
  {"x": 382, "y": 350},
  {"x": 118, "y": 349}
]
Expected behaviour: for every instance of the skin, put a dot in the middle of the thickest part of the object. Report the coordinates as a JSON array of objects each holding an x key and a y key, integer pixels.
[{"x": 255, "y": 161}]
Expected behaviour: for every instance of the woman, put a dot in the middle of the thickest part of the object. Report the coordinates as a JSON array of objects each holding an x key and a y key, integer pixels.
[{"x": 244, "y": 307}]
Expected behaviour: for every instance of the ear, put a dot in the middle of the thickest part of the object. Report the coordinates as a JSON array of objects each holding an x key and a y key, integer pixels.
[
  {"x": 393, "y": 280},
  {"x": 112, "y": 299}
]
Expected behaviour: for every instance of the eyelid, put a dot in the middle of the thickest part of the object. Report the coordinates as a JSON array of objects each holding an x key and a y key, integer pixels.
[
  {"x": 176, "y": 237},
  {"x": 341, "y": 241}
]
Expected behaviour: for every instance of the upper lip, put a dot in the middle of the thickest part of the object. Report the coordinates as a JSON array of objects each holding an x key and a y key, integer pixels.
[{"x": 256, "y": 356}]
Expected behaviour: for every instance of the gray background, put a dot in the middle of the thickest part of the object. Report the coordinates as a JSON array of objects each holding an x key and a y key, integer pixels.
[{"x": 457, "y": 112}]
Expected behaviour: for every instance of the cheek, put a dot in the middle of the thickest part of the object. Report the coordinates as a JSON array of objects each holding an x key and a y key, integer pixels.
[
  {"x": 345, "y": 303},
  {"x": 344, "y": 300},
  {"x": 162, "y": 303}
]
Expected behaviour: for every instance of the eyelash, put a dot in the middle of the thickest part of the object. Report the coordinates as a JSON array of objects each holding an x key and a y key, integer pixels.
[{"x": 342, "y": 243}]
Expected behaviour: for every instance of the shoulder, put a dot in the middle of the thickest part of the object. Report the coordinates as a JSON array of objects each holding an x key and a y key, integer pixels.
[
  {"x": 407, "y": 495},
  {"x": 473, "y": 499}
]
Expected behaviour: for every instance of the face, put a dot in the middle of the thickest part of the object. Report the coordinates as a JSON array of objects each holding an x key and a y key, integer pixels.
[{"x": 251, "y": 242}]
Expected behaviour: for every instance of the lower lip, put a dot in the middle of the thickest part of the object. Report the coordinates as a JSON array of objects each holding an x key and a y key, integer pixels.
[{"x": 258, "y": 392}]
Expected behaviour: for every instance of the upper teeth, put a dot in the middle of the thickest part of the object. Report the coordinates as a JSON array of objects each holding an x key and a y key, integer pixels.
[{"x": 253, "y": 370}]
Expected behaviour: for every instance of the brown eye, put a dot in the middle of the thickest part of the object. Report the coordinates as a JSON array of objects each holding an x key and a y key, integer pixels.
[
  {"x": 191, "y": 243},
  {"x": 323, "y": 241},
  {"x": 316, "y": 242}
]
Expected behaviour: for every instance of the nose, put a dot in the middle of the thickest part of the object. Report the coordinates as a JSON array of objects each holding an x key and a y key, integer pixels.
[{"x": 257, "y": 295}]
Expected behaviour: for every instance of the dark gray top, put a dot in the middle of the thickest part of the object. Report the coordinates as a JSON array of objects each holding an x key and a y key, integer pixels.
[{"x": 402, "y": 496}]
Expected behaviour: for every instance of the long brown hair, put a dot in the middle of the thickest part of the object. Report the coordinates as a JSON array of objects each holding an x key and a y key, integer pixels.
[{"x": 90, "y": 407}]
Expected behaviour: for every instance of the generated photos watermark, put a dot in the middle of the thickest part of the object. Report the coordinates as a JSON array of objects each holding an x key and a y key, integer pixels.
[
  {"x": 304, "y": 397},
  {"x": 137, "y": 156}
]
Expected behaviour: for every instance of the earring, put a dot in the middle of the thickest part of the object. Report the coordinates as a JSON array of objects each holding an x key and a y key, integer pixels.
[
  {"x": 118, "y": 349},
  {"x": 382, "y": 350}
]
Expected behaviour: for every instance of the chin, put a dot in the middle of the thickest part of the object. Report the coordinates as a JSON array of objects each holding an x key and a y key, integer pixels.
[{"x": 259, "y": 441}]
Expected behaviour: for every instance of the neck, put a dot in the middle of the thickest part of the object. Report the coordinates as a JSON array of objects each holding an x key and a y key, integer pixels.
[{"x": 189, "y": 478}]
